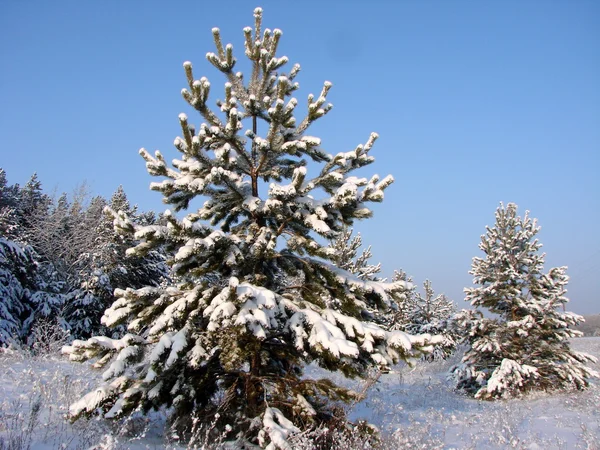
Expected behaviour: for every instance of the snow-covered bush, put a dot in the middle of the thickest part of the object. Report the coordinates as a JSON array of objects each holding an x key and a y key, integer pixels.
[
  {"x": 524, "y": 346},
  {"x": 233, "y": 333},
  {"x": 47, "y": 337}
]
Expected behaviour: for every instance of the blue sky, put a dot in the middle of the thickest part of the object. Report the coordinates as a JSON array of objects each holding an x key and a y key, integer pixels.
[{"x": 475, "y": 103}]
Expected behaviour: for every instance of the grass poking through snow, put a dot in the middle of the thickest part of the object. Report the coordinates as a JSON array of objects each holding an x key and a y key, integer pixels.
[{"x": 412, "y": 408}]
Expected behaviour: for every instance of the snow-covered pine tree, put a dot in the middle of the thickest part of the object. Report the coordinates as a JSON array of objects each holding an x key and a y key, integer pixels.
[
  {"x": 16, "y": 266},
  {"x": 32, "y": 204},
  {"x": 228, "y": 341},
  {"x": 345, "y": 249},
  {"x": 91, "y": 292},
  {"x": 28, "y": 286},
  {"x": 130, "y": 269},
  {"x": 525, "y": 346},
  {"x": 64, "y": 232},
  {"x": 397, "y": 318},
  {"x": 432, "y": 314},
  {"x": 26, "y": 295},
  {"x": 9, "y": 198}
]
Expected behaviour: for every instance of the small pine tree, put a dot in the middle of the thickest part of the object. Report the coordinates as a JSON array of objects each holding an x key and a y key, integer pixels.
[
  {"x": 397, "y": 318},
  {"x": 525, "y": 346},
  {"x": 129, "y": 269},
  {"x": 345, "y": 249},
  {"x": 429, "y": 314},
  {"x": 228, "y": 340},
  {"x": 432, "y": 314}
]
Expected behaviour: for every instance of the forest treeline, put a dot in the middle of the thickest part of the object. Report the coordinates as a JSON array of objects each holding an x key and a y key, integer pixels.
[{"x": 60, "y": 259}]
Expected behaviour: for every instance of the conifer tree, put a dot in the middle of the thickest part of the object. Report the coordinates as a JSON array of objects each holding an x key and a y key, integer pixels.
[
  {"x": 91, "y": 292},
  {"x": 32, "y": 196},
  {"x": 432, "y": 314},
  {"x": 398, "y": 317},
  {"x": 9, "y": 199},
  {"x": 427, "y": 313},
  {"x": 228, "y": 339},
  {"x": 26, "y": 294},
  {"x": 29, "y": 291},
  {"x": 525, "y": 346},
  {"x": 345, "y": 248},
  {"x": 32, "y": 206},
  {"x": 104, "y": 266},
  {"x": 131, "y": 269},
  {"x": 16, "y": 267}
]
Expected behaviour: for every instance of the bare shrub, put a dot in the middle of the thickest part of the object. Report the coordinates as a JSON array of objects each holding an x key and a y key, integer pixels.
[{"x": 47, "y": 337}]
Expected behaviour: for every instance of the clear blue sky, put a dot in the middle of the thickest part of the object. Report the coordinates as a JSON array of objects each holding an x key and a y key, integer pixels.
[{"x": 475, "y": 103}]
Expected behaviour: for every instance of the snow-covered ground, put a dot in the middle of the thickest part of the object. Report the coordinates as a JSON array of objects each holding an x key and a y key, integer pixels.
[
  {"x": 422, "y": 406},
  {"x": 415, "y": 409}
]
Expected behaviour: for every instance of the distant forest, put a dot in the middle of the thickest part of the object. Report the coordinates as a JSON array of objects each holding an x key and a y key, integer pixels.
[
  {"x": 591, "y": 326},
  {"x": 61, "y": 260}
]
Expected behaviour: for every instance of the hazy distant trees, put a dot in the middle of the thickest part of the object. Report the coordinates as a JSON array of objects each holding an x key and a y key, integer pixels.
[{"x": 591, "y": 326}]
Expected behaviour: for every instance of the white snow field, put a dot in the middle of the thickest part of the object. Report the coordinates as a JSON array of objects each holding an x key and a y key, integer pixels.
[{"x": 413, "y": 408}]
